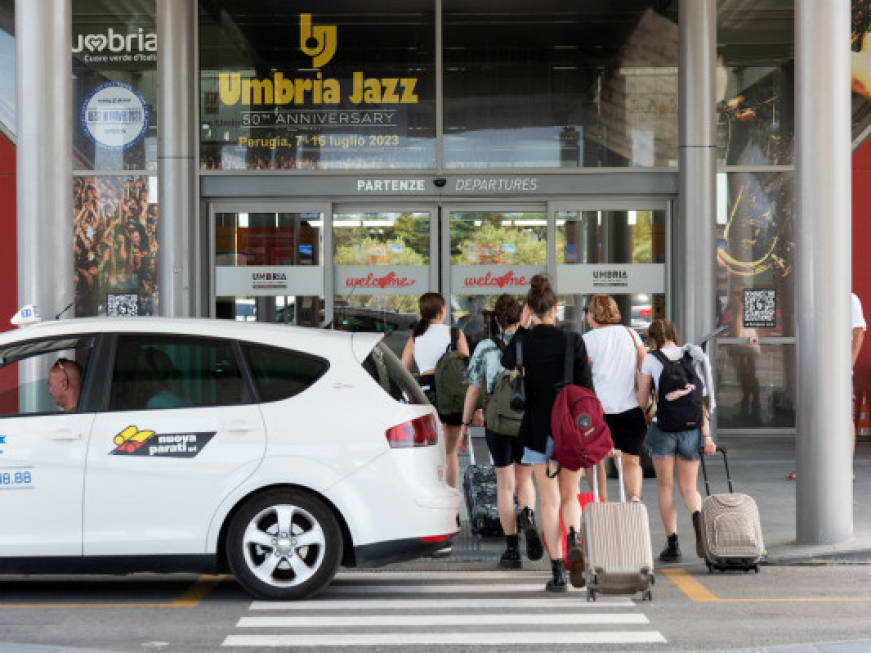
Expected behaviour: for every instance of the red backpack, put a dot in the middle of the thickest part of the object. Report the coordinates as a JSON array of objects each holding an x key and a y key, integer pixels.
[{"x": 581, "y": 436}]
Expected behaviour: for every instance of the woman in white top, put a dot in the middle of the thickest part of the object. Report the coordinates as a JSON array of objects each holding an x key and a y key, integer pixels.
[
  {"x": 615, "y": 353},
  {"x": 429, "y": 341},
  {"x": 676, "y": 450}
]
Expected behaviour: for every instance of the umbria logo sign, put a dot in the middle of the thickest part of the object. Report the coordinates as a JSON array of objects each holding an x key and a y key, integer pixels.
[
  {"x": 116, "y": 42},
  {"x": 319, "y": 42}
]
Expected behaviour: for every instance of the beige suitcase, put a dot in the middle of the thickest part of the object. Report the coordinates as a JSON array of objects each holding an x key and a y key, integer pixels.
[
  {"x": 617, "y": 551},
  {"x": 731, "y": 530}
]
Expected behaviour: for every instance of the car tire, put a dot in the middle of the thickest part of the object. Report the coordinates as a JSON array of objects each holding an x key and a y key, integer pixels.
[{"x": 284, "y": 544}]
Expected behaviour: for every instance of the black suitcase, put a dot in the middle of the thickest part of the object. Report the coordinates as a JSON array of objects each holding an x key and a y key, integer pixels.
[{"x": 479, "y": 488}]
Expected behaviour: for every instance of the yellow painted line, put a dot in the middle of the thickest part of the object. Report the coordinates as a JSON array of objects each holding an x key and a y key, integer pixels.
[
  {"x": 690, "y": 586},
  {"x": 190, "y": 598},
  {"x": 700, "y": 594}
]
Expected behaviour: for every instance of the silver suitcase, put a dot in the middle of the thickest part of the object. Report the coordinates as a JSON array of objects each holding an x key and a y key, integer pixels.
[
  {"x": 731, "y": 530},
  {"x": 617, "y": 552}
]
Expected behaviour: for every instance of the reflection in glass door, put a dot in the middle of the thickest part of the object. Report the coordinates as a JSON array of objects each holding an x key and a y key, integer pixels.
[
  {"x": 617, "y": 252},
  {"x": 382, "y": 264},
  {"x": 268, "y": 266},
  {"x": 490, "y": 253}
]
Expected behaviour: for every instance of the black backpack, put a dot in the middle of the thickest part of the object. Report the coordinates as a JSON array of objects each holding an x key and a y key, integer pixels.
[{"x": 679, "y": 396}]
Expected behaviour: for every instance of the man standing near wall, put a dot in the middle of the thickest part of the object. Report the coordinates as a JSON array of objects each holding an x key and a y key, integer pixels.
[{"x": 857, "y": 336}]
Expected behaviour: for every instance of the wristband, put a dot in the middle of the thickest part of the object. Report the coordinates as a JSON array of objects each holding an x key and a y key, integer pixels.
[
  {"x": 467, "y": 423},
  {"x": 709, "y": 437}
]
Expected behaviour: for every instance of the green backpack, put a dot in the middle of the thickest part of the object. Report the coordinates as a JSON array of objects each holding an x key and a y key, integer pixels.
[
  {"x": 450, "y": 379},
  {"x": 501, "y": 417}
]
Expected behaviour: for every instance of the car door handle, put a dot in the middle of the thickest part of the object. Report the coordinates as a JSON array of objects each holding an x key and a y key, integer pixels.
[
  {"x": 66, "y": 434},
  {"x": 239, "y": 426}
]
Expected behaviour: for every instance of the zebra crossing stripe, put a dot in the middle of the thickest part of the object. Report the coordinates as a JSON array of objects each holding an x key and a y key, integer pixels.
[
  {"x": 569, "y": 602},
  {"x": 491, "y": 638},
  {"x": 405, "y": 620}
]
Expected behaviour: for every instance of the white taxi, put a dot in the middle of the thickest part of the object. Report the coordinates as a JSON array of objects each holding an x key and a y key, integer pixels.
[{"x": 276, "y": 453}]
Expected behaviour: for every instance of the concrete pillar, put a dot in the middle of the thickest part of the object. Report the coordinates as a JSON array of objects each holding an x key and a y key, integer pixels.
[
  {"x": 824, "y": 489},
  {"x": 176, "y": 133},
  {"x": 43, "y": 69},
  {"x": 694, "y": 255}
]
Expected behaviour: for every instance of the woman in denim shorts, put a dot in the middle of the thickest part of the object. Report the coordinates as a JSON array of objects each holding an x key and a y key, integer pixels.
[{"x": 675, "y": 451}]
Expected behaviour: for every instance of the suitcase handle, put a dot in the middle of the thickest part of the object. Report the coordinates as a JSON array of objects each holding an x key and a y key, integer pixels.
[
  {"x": 618, "y": 462},
  {"x": 721, "y": 450}
]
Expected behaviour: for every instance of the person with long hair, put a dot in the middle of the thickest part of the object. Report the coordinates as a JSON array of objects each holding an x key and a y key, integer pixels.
[
  {"x": 505, "y": 450},
  {"x": 676, "y": 451},
  {"x": 430, "y": 339},
  {"x": 544, "y": 351},
  {"x": 616, "y": 352}
]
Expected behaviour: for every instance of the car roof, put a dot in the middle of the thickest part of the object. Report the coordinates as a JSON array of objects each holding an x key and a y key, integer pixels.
[{"x": 322, "y": 341}]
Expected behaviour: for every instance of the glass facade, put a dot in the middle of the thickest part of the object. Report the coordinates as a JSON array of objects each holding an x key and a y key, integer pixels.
[
  {"x": 286, "y": 85},
  {"x": 560, "y": 85},
  {"x": 293, "y": 86},
  {"x": 382, "y": 265},
  {"x": 317, "y": 86},
  {"x": 269, "y": 266},
  {"x": 755, "y": 217},
  {"x": 114, "y": 186}
]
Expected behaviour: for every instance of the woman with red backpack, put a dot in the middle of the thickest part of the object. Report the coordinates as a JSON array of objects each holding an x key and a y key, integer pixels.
[{"x": 543, "y": 351}]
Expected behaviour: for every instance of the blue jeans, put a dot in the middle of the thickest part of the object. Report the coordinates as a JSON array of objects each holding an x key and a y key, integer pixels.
[
  {"x": 533, "y": 457},
  {"x": 683, "y": 443}
]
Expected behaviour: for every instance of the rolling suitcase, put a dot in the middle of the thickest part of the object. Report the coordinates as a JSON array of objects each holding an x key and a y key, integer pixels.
[
  {"x": 479, "y": 489},
  {"x": 731, "y": 531},
  {"x": 616, "y": 540}
]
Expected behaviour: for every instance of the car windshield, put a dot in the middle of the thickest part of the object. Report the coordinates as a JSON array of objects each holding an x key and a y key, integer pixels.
[
  {"x": 14, "y": 353},
  {"x": 388, "y": 372}
]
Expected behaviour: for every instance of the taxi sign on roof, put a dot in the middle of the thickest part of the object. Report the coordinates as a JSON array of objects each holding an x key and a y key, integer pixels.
[{"x": 27, "y": 314}]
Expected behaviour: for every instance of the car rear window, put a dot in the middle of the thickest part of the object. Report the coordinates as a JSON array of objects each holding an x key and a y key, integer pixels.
[
  {"x": 282, "y": 373},
  {"x": 389, "y": 372}
]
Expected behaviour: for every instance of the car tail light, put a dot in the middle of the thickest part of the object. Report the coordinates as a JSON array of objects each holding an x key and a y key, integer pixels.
[
  {"x": 436, "y": 538},
  {"x": 419, "y": 432}
]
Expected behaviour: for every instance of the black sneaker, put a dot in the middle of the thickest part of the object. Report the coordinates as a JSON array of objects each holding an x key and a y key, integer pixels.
[
  {"x": 510, "y": 559},
  {"x": 671, "y": 553},
  {"x": 526, "y": 523}
]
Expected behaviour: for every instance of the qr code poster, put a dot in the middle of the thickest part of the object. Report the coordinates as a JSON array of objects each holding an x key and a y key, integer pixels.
[
  {"x": 120, "y": 305},
  {"x": 759, "y": 307}
]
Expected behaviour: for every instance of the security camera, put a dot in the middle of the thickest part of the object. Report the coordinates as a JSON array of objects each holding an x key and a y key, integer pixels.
[{"x": 439, "y": 181}]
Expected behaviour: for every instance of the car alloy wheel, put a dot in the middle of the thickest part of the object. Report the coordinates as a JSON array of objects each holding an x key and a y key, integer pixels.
[{"x": 284, "y": 544}]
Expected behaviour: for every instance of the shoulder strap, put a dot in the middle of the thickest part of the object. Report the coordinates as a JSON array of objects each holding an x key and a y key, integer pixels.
[
  {"x": 518, "y": 351},
  {"x": 569, "y": 365},
  {"x": 662, "y": 358},
  {"x": 455, "y": 336},
  {"x": 497, "y": 340}
]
